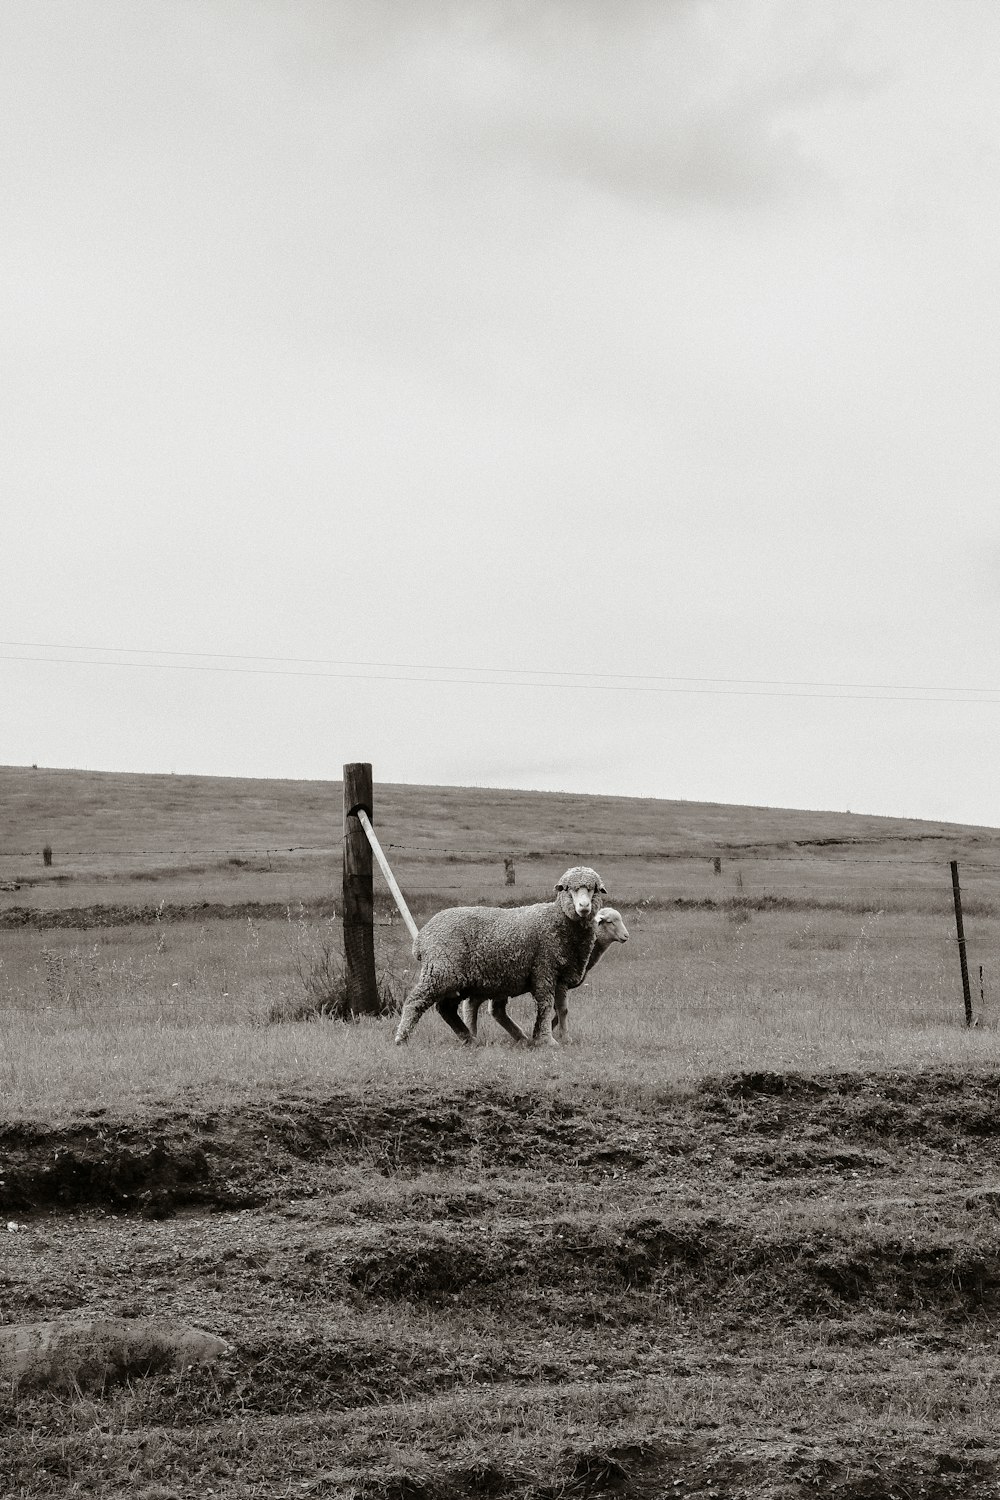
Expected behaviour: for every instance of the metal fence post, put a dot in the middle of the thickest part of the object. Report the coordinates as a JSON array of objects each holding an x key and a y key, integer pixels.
[{"x": 966, "y": 992}]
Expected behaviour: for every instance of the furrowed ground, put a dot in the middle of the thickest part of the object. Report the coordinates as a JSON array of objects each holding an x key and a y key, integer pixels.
[{"x": 741, "y": 1238}]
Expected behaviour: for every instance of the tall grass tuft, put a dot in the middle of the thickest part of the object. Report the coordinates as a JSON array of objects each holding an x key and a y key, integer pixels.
[{"x": 317, "y": 958}]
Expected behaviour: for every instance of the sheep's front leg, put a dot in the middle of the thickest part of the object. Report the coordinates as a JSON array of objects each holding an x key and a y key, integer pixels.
[
  {"x": 498, "y": 1010},
  {"x": 423, "y": 995},
  {"x": 470, "y": 1014},
  {"x": 542, "y": 1031}
]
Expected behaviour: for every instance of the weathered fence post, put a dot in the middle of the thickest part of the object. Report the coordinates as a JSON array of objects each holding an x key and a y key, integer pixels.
[
  {"x": 509, "y": 874},
  {"x": 359, "y": 895},
  {"x": 956, "y": 892}
]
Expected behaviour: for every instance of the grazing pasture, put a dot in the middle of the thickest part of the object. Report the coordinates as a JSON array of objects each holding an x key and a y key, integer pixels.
[
  {"x": 738, "y": 1237},
  {"x": 142, "y": 1011}
]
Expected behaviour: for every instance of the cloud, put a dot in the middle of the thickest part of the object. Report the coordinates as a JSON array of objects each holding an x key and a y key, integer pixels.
[{"x": 643, "y": 100}]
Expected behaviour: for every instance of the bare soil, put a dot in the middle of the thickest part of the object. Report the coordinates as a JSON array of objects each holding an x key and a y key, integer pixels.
[{"x": 766, "y": 1286}]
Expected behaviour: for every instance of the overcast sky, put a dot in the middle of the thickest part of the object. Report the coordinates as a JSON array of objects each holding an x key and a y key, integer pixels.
[{"x": 624, "y": 374}]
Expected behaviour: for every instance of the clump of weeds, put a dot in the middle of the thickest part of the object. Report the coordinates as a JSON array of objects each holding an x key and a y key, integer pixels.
[{"x": 318, "y": 961}]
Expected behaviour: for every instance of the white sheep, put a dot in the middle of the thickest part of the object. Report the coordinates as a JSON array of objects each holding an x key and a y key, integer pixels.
[
  {"x": 610, "y": 929},
  {"x": 481, "y": 952}
]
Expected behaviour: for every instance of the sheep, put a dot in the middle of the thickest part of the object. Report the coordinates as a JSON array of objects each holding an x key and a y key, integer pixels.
[
  {"x": 610, "y": 929},
  {"x": 484, "y": 951}
]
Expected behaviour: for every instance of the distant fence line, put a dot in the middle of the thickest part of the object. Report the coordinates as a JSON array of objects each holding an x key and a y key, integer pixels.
[{"x": 733, "y": 857}]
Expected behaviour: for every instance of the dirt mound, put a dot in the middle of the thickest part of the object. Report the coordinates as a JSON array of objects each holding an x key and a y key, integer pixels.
[
  {"x": 645, "y": 1470},
  {"x": 132, "y": 1172},
  {"x": 770, "y": 1125},
  {"x": 942, "y": 1109},
  {"x": 609, "y": 1273}
]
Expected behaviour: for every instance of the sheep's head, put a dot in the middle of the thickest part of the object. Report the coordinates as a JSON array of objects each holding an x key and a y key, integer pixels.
[
  {"x": 579, "y": 892},
  {"x": 610, "y": 927}
]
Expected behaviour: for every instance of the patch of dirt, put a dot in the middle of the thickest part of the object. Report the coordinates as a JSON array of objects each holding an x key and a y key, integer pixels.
[
  {"x": 772, "y": 1286},
  {"x": 151, "y": 1171},
  {"x": 758, "y": 1125}
]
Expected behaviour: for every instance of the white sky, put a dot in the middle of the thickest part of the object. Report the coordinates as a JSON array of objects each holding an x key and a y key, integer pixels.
[{"x": 522, "y": 336}]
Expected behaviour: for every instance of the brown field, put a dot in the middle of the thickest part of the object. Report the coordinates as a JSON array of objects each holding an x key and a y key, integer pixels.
[{"x": 740, "y": 1238}]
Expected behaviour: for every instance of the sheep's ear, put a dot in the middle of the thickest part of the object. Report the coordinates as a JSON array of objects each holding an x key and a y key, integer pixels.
[
  {"x": 559, "y": 886},
  {"x": 601, "y": 890}
]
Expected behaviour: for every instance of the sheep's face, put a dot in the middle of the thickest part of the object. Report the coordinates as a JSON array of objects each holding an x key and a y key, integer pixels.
[
  {"x": 579, "y": 892},
  {"x": 613, "y": 929}
]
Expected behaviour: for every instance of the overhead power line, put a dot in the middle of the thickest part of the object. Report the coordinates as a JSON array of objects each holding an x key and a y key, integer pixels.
[{"x": 458, "y": 676}]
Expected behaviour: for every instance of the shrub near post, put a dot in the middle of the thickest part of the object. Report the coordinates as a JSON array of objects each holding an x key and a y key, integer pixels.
[{"x": 359, "y": 895}]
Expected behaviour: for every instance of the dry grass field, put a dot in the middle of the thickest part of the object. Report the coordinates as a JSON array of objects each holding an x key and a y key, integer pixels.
[{"x": 741, "y": 1237}]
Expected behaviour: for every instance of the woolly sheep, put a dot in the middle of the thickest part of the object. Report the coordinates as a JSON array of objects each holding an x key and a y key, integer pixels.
[
  {"x": 610, "y": 929},
  {"x": 481, "y": 952}
]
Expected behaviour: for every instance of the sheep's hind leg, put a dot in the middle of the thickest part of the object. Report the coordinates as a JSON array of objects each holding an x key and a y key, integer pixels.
[
  {"x": 498, "y": 1010},
  {"x": 448, "y": 1011}
]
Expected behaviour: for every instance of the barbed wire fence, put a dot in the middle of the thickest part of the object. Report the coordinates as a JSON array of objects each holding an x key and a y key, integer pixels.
[{"x": 750, "y": 872}]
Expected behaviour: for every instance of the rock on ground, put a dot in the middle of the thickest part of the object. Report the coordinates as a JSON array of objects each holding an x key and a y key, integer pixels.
[{"x": 88, "y": 1353}]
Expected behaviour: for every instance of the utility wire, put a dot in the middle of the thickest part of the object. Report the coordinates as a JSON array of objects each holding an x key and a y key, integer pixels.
[
  {"x": 518, "y": 677},
  {"x": 907, "y": 696}
]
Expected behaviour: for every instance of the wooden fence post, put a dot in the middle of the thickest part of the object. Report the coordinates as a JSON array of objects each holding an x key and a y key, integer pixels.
[
  {"x": 359, "y": 895},
  {"x": 967, "y": 995}
]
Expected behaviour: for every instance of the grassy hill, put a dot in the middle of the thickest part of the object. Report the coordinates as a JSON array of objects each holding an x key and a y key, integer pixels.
[
  {"x": 127, "y": 838},
  {"x": 117, "y": 814}
]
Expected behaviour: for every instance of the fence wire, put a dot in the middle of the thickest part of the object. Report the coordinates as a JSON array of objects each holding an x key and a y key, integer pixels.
[{"x": 754, "y": 854}]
